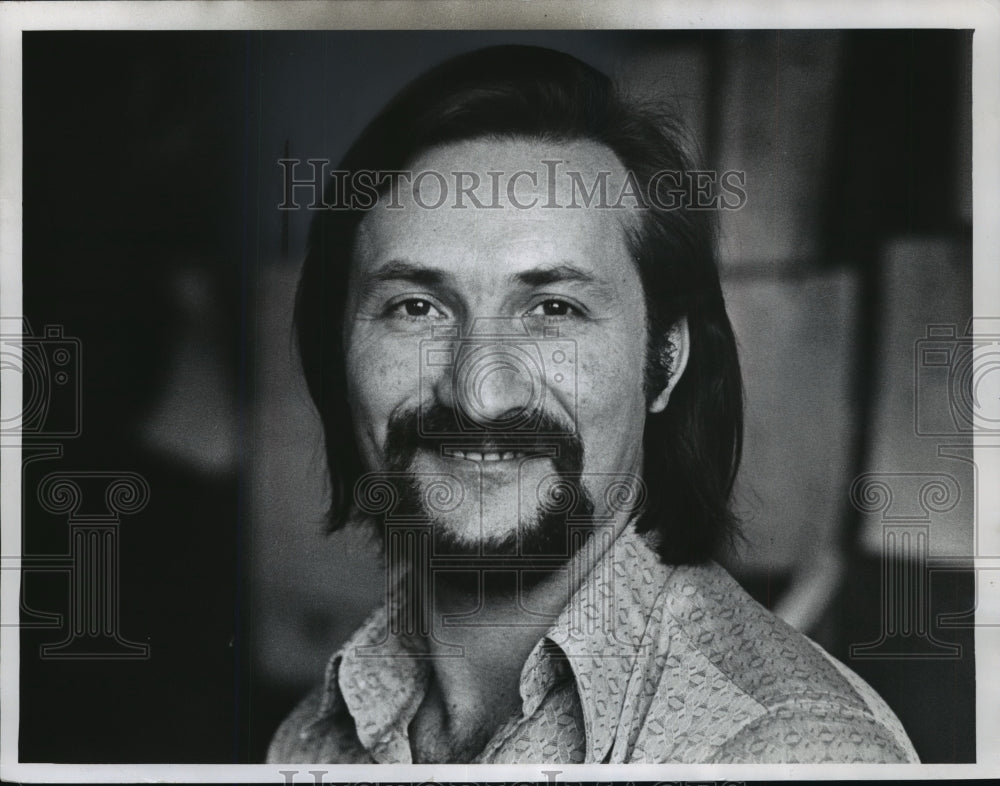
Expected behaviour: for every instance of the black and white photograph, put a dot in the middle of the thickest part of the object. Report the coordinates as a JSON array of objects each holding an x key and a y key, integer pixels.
[{"x": 510, "y": 393}]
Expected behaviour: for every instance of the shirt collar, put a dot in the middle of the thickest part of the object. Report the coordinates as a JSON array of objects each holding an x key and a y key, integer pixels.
[
  {"x": 601, "y": 634},
  {"x": 381, "y": 679}
]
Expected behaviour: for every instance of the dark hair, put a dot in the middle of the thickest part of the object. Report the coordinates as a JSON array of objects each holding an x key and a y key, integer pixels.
[{"x": 692, "y": 449}]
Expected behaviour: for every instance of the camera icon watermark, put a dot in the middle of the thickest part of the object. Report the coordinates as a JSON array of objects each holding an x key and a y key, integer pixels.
[
  {"x": 499, "y": 353},
  {"x": 47, "y": 367},
  {"x": 957, "y": 380}
]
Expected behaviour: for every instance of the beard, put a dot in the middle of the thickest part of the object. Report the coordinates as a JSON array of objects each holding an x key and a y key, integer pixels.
[{"x": 547, "y": 534}]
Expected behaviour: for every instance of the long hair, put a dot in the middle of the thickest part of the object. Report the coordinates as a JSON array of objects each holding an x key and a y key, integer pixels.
[{"x": 691, "y": 449}]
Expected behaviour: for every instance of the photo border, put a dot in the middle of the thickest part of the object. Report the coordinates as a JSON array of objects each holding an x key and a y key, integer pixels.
[{"x": 983, "y": 17}]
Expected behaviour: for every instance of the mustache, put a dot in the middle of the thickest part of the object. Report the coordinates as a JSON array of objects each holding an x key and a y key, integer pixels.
[{"x": 437, "y": 426}]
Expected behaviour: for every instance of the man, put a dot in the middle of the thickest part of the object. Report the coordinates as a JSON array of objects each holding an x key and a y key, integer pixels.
[{"x": 511, "y": 323}]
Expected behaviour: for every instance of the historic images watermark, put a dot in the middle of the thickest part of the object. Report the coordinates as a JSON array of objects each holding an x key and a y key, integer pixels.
[
  {"x": 956, "y": 397},
  {"x": 47, "y": 368},
  {"x": 415, "y": 562},
  {"x": 543, "y": 365},
  {"x": 564, "y": 521},
  {"x": 317, "y": 188},
  {"x": 905, "y": 502},
  {"x": 957, "y": 380},
  {"x": 93, "y": 503}
]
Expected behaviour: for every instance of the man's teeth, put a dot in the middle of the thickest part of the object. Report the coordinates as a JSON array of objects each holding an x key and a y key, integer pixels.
[{"x": 475, "y": 455}]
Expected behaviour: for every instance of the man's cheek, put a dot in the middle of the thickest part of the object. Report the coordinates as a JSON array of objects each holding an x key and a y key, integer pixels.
[
  {"x": 378, "y": 372},
  {"x": 610, "y": 399},
  {"x": 599, "y": 387}
]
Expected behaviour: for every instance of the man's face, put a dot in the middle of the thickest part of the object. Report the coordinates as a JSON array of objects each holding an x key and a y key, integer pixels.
[{"x": 497, "y": 347}]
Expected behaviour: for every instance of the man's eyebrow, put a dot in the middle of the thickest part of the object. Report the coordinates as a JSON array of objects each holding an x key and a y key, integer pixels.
[
  {"x": 555, "y": 274},
  {"x": 398, "y": 270},
  {"x": 424, "y": 276}
]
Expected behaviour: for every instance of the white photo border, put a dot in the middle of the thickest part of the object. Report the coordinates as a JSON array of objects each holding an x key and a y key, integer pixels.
[{"x": 983, "y": 17}]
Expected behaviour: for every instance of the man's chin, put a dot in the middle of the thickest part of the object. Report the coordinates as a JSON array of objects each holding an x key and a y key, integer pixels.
[
  {"x": 477, "y": 528},
  {"x": 533, "y": 553},
  {"x": 518, "y": 562},
  {"x": 544, "y": 540}
]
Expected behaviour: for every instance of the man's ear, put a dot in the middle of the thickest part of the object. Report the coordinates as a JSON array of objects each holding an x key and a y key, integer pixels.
[{"x": 675, "y": 351}]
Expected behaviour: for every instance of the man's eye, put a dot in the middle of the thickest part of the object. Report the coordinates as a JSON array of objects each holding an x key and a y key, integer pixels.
[
  {"x": 416, "y": 307},
  {"x": 553, "y": 308}
]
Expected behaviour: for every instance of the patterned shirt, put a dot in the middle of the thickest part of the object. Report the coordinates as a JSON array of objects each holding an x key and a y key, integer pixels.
[{"x": 691, "y": 670}]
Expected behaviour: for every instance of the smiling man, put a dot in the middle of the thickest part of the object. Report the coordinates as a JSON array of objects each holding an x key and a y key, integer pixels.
[{"x": 514, "y": 333}]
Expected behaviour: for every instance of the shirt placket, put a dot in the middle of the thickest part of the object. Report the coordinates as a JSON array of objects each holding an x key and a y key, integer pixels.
[
  {"x": 393, "y": 748},
  {"x": 539, "y": 675}
]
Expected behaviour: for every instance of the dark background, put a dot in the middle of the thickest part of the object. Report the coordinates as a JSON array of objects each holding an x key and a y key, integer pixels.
[{"x": 151, "y": 235}]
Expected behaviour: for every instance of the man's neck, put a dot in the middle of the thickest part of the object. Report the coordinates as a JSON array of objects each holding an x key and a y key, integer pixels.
[{"x": 496, "y": 630}]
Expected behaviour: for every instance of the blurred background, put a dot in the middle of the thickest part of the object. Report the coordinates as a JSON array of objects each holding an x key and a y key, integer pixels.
[{"x": 152, "y": 234}]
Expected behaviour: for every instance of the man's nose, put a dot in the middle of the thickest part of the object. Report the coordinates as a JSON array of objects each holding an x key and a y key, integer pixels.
[{"x": 496, "y": 385}]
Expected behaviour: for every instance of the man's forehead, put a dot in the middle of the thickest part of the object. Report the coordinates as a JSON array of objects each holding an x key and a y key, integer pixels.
[
  {"x": 522, "y": 167},
  {"x": 532, "y": 200}
]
